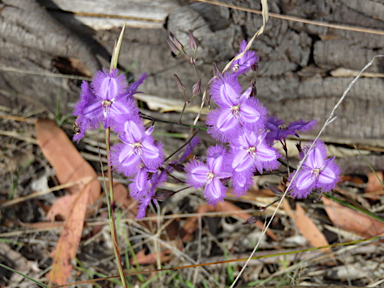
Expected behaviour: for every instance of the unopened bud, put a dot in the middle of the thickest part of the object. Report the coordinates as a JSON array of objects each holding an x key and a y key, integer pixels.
[
  {"x": 192, "y": 41},
  {"x": 179, "y": 84},
  {"x": 254, "y": 67},
  {"x": 275, "y": 190},
  {"x": 162, "y": 195},
  {"x": 173, "y": 47},
  {"x": 216, "y": 70},
  {"x": 252, "y": 84},
  {"x": 192, "y": 60},
  {"x": 250, "y": 220},
  {"x": 196, "y": 88},
  {"x": 176, "y": 41}
]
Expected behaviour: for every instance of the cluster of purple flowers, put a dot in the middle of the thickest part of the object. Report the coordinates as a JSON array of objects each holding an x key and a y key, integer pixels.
[
  {"x": 109, "y": 100},
  {"x": 238, "y": 121},
  {"x": 241, "y": 122}
]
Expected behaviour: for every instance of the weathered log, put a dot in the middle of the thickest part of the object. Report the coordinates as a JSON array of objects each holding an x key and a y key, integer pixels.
[
  {"x": 105, "y": 15},
  {"x": 343, "y": 53},
  {"x": 31, "y": 40}
]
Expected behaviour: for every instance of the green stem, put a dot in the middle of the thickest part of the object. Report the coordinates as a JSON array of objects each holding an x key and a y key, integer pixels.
[
  {"x": 111, "y": 208},
  {"x": 25, "y": 276},
  {"x": 370, "y": 214}
]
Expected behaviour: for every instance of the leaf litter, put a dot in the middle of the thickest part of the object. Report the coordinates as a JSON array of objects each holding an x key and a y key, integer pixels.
[{"x": 81, "y": 203}]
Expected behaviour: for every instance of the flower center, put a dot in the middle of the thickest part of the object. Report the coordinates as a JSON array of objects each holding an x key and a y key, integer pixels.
[
  {"x": 252, "y": 151},
  {"x": 235, "y": 68},
  {"x": 316, "y": 172},
  {"x": 210, "y": 177},
  {"x": 235, "y": 110},
  {"x": 106, "y": 106},
  {"x": 137, "y": 147}
]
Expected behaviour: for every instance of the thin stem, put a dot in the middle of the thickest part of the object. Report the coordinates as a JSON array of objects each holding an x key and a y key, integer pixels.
[
  {"x": 144, "y": 116},
  {"x": 110, "y": 176},
  {"x": 185, "y": 144},
  {"x": 25, "y": 276},
  {"x": 182, "y": 112},
  {"x": 111, "y": 208}
]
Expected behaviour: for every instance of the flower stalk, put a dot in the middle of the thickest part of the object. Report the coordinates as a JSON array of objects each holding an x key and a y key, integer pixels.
[{"x": 111, "y": 209}]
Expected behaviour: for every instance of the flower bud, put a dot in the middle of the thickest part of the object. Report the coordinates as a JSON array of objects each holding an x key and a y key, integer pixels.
[
  {"x": 252, "y": 84},
  {"x": 179, "y": 84},
  {"x": 196, "y": 88},
  {"x": 275, "y": 190},
  {"x": 176, "y": 41},
  {"x": 173, "y": 47},
  {"x": 216, "y": 70},
  {"x": 162, "y": 195},
  {"x": 192, "y": 41},
  {"x": 250, "y": 220}
]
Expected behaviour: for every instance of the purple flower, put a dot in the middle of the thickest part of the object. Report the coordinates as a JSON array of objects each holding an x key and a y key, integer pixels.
[
  {"x": 138, "y": 148},
  {"x": 143, "y": 204},
  {"x": 210, "y": 174},
  {"x": 241, "y": 182},
  {"x": 143, "y": 187},
  {"x": 235, "y": 113},
  {"x": 225, "y": 88},
  {"x": 300, "y": 126},
  {"x": 250, "y": 152},
  {"x": 140, "y": 184},
  {"x": 242, "y": 65},
  {"x": 107, "y": 97},
  {"x": 317, "y": 172},
  {"x": 277, "y": 130}
]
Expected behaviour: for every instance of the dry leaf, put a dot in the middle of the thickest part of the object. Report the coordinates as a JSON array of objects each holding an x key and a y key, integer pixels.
[
  {"x": 143, "y": 259},
  {"x": 353, "y": 221},
  {"x": 374, "y": 183},
  {"x": 309, "y": 230},
  {"x": 123, "y": 199},
  {"x": 352, "y": 178},
  {"x": 61, "y": 205},
  {"x": 66, "y": 247},
  {"x": 43, "y": 225},
  {"x": 69, "y": 165}
]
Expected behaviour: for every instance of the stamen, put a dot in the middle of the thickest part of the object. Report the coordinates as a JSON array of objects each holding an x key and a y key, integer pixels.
[
  {"x": 235, "y": 110},
  {"x": 316, "y": 172},
  {"x": 137, "y": 147},
  {"x": 106, "y": 105},
  {"x": 210, "y": 177},
  {"x": 252, "y": 152}
]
